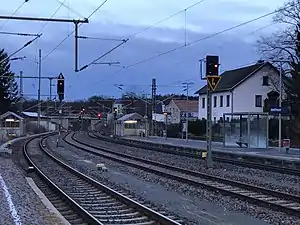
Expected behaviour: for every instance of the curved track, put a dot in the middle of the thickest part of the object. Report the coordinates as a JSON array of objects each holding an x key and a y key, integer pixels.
[
  {"x": 258, "y": 195},
  {"x": 188, "y": 153},
  {"x": 95, "y": 202}
]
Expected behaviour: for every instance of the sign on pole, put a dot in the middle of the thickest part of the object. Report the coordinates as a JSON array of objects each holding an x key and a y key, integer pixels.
[{"x": 213, "y": 81}]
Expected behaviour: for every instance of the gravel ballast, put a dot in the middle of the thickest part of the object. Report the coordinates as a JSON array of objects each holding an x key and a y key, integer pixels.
[
  {"x": 272, "y": 180},
  {"x": 176, "y": 197},
  {"x": 29, "y": 210}
]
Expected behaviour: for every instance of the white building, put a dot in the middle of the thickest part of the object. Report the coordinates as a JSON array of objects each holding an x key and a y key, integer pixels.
[
  {"x": 240, "y": 90},
  {"x": 178, "y": 108}
]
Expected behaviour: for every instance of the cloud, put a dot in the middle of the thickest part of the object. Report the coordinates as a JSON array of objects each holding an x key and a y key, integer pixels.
[{"x": 120, "y": 19}]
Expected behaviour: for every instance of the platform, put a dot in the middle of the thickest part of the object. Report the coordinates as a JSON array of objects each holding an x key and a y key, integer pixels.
[
  {"x": 19, "y": 203},
  {"x": 294, "y": 153}
]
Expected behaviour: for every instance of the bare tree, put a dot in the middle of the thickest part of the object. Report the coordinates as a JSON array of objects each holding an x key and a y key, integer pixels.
[{"x": 284, "y": 45}]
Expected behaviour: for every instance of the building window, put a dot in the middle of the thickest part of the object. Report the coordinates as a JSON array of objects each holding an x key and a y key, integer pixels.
[
  {"x": 227, "y": 100},
  {"x": 203, "y": 103},
  {"x": 221, "y": 101},
  {"x": 215, "y": 101},
  {"x": 258, "y": 101},
  {"x": 265, "y": 81}
]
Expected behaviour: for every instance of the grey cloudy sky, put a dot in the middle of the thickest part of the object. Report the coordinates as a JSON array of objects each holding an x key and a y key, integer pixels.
[{"x": 120, "y": 19}]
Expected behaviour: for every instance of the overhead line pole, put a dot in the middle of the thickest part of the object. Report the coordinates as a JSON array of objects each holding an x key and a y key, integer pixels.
[
  {"x": 187, "y": 85},
  {"x": 39, "y": 88},
  {"x": 75, "y": 21}
]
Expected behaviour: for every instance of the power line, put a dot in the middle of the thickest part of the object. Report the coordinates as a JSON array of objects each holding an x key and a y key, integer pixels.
[
  {"x": 201, "y": 39},
  {"x": 49, "y": 53},
  {"x": 69, "y": 8},
  {"x": 163, "y": 20},
  {"x": 20, "y": 6},
  {"x": 53, "y": 14},
  {"x": 182, "y": 61},
  {"x": 196, "y": 41},
  {"x": 19, "y": 34},
  {"x": 101, "y": 39},
  {"x": 102, "y": 56},
  {"x": 20, "y": 49}
]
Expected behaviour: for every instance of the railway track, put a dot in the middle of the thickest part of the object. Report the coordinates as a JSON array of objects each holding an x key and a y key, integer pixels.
[
  {"x": 93, "y": 201},
  {"x": 193, "y": 154},
  {"x": 258, "y": 195}
]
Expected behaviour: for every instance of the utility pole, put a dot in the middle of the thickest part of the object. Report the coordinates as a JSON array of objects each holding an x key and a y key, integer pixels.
[
  {"x": 21, "y": 93},
  {"x": 187, "y": 85},
  {"x": 60, "y": 93},
  {"x": 39, "y": 89},
  {"x": 146, "y": 117},
  {"x": 49, "y": 101},
  {"x": 213, "y": 79},
  {"x": 153, "y": 130},
  {"x": 280, "y": 103},
  {"x": 57, "y": 20}
]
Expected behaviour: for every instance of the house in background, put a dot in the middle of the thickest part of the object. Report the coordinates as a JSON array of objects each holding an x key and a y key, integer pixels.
[
  {"x": 178, "y": 108},
  {"x": 240, "y": 90},
  {"x": 11, "y": 125},
  {"x": 132, "y": 124}
]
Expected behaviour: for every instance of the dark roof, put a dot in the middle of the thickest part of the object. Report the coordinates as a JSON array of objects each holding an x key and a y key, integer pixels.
[
  {"x": 231, "y": 78},
  {"x": 184, "y": 105}
]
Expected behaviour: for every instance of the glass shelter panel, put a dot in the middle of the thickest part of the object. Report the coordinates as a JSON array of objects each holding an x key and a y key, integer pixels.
[
  {"x": 247, "y": 130},
  {"x": 258, "y": 132}
]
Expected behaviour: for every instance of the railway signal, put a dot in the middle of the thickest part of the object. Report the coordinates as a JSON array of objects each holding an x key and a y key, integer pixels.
[
  {"x": 212, "y": 65},
  {"x": 61, "y": 86},
  {"x": 99, "y": 116}
]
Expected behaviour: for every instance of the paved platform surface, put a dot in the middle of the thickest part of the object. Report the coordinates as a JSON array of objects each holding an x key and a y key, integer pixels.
[
  {"x": 294, "y": 154},
  {"x": 19, "y": 204}
]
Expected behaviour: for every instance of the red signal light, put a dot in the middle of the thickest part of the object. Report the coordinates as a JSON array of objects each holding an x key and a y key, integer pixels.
[{"x": 99, "y": 115}]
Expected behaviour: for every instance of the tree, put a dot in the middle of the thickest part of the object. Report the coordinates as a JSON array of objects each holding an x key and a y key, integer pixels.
[
  {"x": 284, "y": 45},
  {"x": 8, "y": 85}
]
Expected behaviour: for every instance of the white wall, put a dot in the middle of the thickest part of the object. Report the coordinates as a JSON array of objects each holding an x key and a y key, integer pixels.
[
  {"x": 174, "y": 116},
  {"x": 217, "y": 111},
  {"x": 244, "y": 94},
  {"x": 242, "y": 99}
]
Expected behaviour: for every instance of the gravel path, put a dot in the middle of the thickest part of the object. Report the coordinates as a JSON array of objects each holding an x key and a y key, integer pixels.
[
  {"x": 271, "y": 180},
  {"x": 28, "y": 205},
  {"x": 179, "y": 198}
]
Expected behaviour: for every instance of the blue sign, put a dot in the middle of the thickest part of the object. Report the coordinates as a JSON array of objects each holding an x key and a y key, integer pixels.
[{"x": 279, "y": 110}]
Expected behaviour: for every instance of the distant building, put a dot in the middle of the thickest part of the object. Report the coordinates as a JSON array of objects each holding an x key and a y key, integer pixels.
[
  {"x": 240, "y": 90},
  {"x": 178, "y": 109},
  {"x": 11, "y": 125},
  {"x": 132, "y": 124},
  {"x": 31, "y": 119}
]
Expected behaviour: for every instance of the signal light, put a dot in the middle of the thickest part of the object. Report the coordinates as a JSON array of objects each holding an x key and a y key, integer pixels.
[
  {"x": 212, "y": 65},
  {"x": 99, "y": 115},
  {"x": 61, "y": 86}
]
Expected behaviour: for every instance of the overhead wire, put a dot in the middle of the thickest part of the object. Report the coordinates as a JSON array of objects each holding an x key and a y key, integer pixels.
[
  {"x": 20, "y": 49},
  {"x": 131, "y": 36},
  {"x": 201, "y": 39},
  {"x": 195, "y": 41},
  {"x": 72, "y": 32},
  {"x": 19, "y": 34},
  {"x": 153, "y": 25},
  {"x": 52, "y": 15},
  {"x": 14, "y": 12},
  {"x": 103, "y": 55},
  {"x": 165, "y": 19},
  {"x": 69, "y": 8}
]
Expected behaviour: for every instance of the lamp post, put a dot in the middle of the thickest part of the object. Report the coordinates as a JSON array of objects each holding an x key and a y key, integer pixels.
[
  {"x": 281, "y": 62},
  {"x": 166, "y": 121}
]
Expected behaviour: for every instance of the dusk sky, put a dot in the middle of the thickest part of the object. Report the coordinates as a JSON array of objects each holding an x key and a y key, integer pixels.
[{"x": 121, "y": 19}]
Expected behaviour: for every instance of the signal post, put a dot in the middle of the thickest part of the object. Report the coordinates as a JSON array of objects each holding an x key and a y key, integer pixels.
[
  {"x": 60, "y": 93},
  {"x": 212, "y": 77}
]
